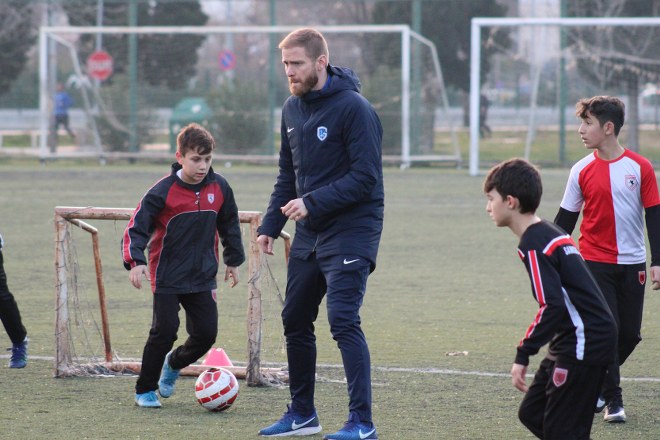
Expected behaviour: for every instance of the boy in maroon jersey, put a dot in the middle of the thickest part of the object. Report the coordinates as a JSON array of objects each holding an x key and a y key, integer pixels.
[
  {"x": 573, "y": 316},
  {"x": 614, "y": 186},
  {"x": 181, "y": 220}
]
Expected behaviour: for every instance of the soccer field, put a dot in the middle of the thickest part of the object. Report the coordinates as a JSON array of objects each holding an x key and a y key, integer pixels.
[{"x": 444, "y": 311}]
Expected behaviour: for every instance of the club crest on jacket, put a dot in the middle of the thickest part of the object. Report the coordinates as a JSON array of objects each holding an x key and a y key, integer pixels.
[{"x": 322, "y": 133}]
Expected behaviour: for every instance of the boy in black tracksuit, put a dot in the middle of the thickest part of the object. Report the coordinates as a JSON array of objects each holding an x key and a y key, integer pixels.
[
  {"x": 180, "y": 220},
  {"x": 11, "y": 319},
  {"x": 573, "y": 315}
]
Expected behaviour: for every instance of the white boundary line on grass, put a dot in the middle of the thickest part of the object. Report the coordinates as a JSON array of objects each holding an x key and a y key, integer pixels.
[
  {"x": 409, "y": 370},
  {"x": 470, "y": 373}
]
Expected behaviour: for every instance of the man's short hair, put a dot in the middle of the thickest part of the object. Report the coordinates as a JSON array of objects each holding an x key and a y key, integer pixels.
[
  {"x": 603, "y": 108},
  {"x": 310, "y": 39},
  {"x": 517, "y": 178},
  {"x": 194, "y": 137}
]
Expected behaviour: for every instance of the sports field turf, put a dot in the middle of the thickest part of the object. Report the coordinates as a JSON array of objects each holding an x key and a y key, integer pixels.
[{"x": 443, "y": 313}]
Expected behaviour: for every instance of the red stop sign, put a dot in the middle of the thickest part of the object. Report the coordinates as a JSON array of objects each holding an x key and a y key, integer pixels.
[{"x": 99, "y": 65}]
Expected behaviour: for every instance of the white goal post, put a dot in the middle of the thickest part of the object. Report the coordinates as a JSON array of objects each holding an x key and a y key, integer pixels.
[
  {"x": 61, "y": 35},
  {"x": 65, "y": 362},
  {"x": 477, "y": 26}
]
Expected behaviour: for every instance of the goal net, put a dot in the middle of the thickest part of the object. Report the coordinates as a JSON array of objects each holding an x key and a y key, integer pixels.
[
  {"x": 102, "y": 322},
  {"x": 134, "y": 87},
  {"x": 534, "y": 82}
]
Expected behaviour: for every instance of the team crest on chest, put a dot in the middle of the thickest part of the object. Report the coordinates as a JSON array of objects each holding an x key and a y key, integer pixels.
[
  {"x": 210, "y": 197},
  {"x": 631, "y": 181},
  {"x": 559, "y": 376},
  {"x": 322, "y": 133}
]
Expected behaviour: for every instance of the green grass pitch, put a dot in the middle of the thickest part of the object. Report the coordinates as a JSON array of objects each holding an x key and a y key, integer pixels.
[{"x": 447, "y": 281}]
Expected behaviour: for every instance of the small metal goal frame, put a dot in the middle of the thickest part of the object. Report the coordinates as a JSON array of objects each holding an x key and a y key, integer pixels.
[{"x": 65, "y": 216}]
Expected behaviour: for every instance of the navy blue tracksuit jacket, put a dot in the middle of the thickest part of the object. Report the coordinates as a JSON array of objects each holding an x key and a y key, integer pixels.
[{"x": 331, "y": 157}]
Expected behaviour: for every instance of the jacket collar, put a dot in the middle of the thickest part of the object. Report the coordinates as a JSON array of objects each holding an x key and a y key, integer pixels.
[{"x": 210, "y": 177}]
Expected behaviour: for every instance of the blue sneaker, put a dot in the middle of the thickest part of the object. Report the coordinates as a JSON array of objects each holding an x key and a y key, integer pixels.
[
  {"x": 168, "y": 377},
  {"x": 292, "y": 424},
  {"x": 19, "y": 354},
  {"x": 147, "y": 400},
  {"x": 354, "y": 429}
]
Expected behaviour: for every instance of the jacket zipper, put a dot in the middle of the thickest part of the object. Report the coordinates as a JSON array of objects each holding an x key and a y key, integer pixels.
[
  {"x": 316, "y": 242},
  {"x": 197, "y": 243}
]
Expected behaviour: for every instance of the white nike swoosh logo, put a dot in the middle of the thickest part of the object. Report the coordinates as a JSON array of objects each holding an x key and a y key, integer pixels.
[
  {"x": 350, "y": 261},
  {"x": 295, "y": 426},
  {"x": 289, "y": 130},
  {"x": 363, "y": 436}
]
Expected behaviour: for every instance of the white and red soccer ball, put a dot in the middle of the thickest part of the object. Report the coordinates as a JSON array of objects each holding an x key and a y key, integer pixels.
[{"x": 216, "y": 389}]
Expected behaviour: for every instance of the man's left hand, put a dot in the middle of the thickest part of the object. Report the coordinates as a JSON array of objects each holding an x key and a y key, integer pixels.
[{"x": 295, "y": 210}]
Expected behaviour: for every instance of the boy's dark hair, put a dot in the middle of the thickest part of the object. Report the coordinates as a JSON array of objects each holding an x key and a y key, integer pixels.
[
  {"x": 517, "y": 178},
  {"x": 310, "y": 39},
  {"x": 194, "y": 137},
  {"x": 603, "y": 108}
]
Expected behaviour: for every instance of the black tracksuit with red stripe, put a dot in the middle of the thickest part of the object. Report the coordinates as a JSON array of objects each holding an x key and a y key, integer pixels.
[
  {"x": 181, "y": 225},
  {"x": 573, "y": 314},
  {"x": 575, "y": 319}
]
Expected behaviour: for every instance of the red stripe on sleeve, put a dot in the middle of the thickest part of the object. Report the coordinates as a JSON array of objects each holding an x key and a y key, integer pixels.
[
  {"x": 126, "y": 248},
  {"x": 532, "y": 327},
  {"x": 558, "y": 242},
  {"x": 537, "y": 283},
  {"x": 535, "y": 271}
]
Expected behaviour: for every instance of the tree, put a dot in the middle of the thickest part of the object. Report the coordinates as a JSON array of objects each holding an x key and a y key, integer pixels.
[
  {"x": 17, "y": 36},
  {"x": 613, "y": 57},
  {"x": 168, "y": 60}
]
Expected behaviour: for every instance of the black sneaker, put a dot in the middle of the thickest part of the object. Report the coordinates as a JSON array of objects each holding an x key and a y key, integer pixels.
[
  {"x": 614, "y": 412},
  {"x": 19, "y": 354},
  {"x": 600, "y": 404}
]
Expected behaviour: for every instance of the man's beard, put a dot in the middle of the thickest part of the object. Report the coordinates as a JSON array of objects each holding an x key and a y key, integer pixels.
[{"x": 300, "y": 88}]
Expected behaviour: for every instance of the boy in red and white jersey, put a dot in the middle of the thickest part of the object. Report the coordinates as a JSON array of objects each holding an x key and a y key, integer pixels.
[{"x": 614, "y": 187}]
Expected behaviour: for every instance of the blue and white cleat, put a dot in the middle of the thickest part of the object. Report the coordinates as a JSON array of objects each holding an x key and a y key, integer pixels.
[
  {"x": 168, "y": 377},
  {"x": 147, "y": 400},
  {"x": 292, "y": 424},
  {"x": 354, "y": 429}
]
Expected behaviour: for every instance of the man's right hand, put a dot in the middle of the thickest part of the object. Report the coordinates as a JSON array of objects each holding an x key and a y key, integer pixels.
[{"x": 265, "y": 244}]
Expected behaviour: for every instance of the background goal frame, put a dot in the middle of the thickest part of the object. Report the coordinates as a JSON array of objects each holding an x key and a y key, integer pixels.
[
  {"x": 479, "y": 23},
  {"x": 51, "y": 34}
]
